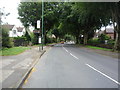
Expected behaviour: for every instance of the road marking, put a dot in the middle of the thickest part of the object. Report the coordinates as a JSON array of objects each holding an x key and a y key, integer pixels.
[
  {"x": 74, "y": 56},
  {"x": 103, "y": 74},
  {"x": 70, "y": 53},
  {"x": 65, "y": 49}
]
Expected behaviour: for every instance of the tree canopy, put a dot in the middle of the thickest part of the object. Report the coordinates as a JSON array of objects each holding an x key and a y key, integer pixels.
[{"x": 73, "y": 18}]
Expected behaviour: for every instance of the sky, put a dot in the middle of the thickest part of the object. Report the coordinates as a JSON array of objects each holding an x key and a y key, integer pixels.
[{"x": 10, "y": 6}]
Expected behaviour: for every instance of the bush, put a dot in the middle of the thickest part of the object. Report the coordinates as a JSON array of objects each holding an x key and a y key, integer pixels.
[
  {"x": 111, "y": 42},
  {"x": 97, "y": 42},
  {"x": 93, "y": 42},
  {"x": 102, "y": 38},
  {"x": 28, "y": 38},
  {"x": 34, "y": 38},
  {"x": 109, "y": 46},
  {"x": 6, "y": 40},
  {"x": 20, "y": 41},
  {"x": 50, "y": 40}
]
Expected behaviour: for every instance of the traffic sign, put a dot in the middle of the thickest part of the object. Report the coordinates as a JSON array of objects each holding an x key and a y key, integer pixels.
[{"x": 38, "y": 23}]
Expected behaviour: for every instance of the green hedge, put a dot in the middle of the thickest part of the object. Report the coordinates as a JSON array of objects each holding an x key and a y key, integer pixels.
[{"x": 97, "y": 42}]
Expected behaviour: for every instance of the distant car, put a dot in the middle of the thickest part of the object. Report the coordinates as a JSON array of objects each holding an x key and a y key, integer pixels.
[{"x": 62, "y": 42}]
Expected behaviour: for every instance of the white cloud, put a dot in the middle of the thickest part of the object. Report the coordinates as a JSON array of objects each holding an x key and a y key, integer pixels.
[{"x": 11, "y": 7}]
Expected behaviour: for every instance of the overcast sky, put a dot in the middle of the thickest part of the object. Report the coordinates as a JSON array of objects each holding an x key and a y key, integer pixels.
[{"x": 11, "y": 7}]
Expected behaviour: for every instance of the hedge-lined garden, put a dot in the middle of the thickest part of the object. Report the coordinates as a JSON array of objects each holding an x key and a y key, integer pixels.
[{"x": 100, "y": 42}]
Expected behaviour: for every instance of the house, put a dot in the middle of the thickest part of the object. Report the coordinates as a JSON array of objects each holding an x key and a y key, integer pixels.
[
  {"x": 98, "y": 33},
  {"x": 20, "y": 31},
  {"x": 14, "y": 31},
  {"x": 108, "y": 31}
]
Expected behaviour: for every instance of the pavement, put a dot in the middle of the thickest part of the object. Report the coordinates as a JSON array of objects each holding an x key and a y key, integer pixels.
[
  {"x": 15, "y": 68},
  {"x": 68, "y": 66}
]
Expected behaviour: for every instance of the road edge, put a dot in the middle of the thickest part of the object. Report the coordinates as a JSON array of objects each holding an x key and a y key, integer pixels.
[{"x": 20, "y": 82}]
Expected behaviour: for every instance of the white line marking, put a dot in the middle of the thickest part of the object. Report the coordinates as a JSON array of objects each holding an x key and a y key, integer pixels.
[
  {"x": 65, "y": 49},
  {"x": 70, "y": 53},
  {"x": 103, "y": 74},
  {"x": 73, "y": 56}
]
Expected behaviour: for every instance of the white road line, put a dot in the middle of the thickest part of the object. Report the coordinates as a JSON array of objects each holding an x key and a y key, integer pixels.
[
  {"x": 103, "y": 74},
  {"x": 65, "y": 49},
  {"x": 73, "y": 56},
  {"x": 70, "y": 53}
]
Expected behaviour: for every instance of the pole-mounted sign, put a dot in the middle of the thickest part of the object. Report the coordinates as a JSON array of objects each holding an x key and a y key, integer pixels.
[
  {"x": 39, "y": 40},
  {"x": 38, "y": 23}
]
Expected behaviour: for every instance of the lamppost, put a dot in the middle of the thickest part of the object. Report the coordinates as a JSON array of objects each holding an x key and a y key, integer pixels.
[{"x": 42, "y": 24}]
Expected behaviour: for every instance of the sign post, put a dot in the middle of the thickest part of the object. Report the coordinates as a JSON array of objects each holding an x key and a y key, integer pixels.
[
  {"x": 39, "y": 39},
  {"x": 38, "y": 23}
]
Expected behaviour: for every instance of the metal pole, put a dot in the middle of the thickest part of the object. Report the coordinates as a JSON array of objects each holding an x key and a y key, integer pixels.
[{"x": 42, "y": 24}]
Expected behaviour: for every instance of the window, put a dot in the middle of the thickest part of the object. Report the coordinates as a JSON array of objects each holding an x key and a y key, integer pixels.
[{"x": 14, "y": 31}]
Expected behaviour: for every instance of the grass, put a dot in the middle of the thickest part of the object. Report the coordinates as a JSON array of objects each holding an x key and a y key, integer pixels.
[
  {"x": 93, "y": 47},
  {"x": 12, "y": 51}
]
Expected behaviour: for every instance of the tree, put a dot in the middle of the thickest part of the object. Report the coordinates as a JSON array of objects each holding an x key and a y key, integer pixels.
[
  {"x": 28, "y": 38},
  {"x": 75, "y": 18},
  {"x": 6, "y": 41},
  {"x": 30, "y": 12}
]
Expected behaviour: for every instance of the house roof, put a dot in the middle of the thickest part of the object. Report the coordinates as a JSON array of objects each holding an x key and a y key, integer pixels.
[
  {"x": 100, "y": 32},
  {"x": 8, "y": 26},
  {"x": 20, "y": 29},
  {"x": 109, "y": 30}
]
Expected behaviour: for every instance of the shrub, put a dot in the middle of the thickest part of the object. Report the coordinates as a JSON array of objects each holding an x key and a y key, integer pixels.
[
  {"x": 105, "y": 46},
  {"x": 27, "y": 36},
  {"x": 34, "y": 39},
  {"x": 94, "y": 42},
  {"x": 20, "y": 41},
  {"x": 102, "y": 38},
  {"x": 50, "y": 40},
  {"x": 6, "y": 41},
  {"x": 111, "y": 42}
]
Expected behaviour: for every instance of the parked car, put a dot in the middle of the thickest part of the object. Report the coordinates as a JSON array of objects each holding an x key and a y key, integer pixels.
[{"x": 62, "y": 42}]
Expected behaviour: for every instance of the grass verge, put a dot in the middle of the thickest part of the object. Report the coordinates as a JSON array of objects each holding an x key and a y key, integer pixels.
[
  {"x": 12, "y": 51},
  {"x": 93, "y": 47}
]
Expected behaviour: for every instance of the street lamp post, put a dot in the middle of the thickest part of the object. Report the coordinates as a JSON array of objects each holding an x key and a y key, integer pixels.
[{"x": 42, "y": 24}]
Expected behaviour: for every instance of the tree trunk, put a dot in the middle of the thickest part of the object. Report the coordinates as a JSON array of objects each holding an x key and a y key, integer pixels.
[
  {"x": 118, "y": 25},
  {"x": 56, "y": 39},
  {"x": 116, "y": 42},
  {"x": 116, "y": 18},
  {"x": 85, "y": 38},
  {"x": 77, "y": 39}
]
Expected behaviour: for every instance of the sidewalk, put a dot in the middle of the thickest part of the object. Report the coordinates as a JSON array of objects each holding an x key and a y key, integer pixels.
[{"x": 15, "y": 68}]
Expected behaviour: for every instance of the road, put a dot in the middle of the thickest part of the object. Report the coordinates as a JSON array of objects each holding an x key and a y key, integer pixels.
[{"x": 67, "y": 66}]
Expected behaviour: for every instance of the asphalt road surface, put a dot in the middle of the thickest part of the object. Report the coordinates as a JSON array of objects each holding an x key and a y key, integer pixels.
[{"x": 67, "y": 66}]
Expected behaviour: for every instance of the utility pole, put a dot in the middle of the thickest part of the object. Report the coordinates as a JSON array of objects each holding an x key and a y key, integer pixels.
[{"x": 42, "y": 24}]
